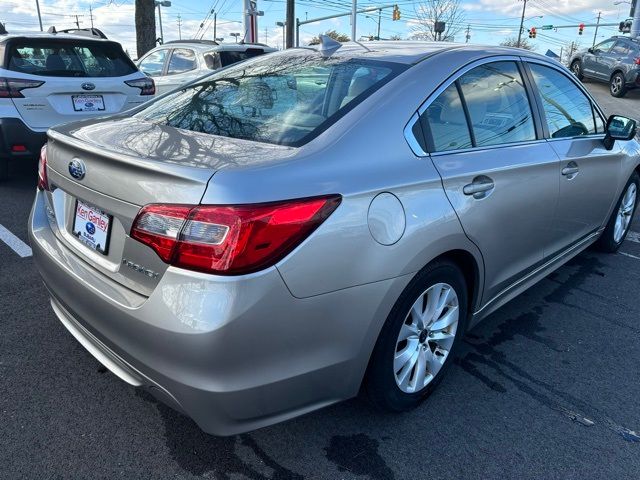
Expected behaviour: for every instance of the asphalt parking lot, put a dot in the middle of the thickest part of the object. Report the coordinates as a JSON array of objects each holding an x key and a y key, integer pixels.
[{"x": 547, "y": 387}]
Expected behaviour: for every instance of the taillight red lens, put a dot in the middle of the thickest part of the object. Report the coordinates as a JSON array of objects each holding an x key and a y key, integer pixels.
[
  {"x": 230, "y": 240},
  {"x": 12, "y": 87},
  {"x": 637, "y": 61},
  {"x": 146, "y": 85},
  {"x": 43, "y": 180}
]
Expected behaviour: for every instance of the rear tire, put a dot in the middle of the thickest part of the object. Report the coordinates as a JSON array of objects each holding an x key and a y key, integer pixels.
[
  {"x": 419, "y": 339},
  {"x": 619, "y": 223},
  {"x": 4, "y": 168},
  {"x": 576, "y": 69},
  {"x": 617, "y": 85}
]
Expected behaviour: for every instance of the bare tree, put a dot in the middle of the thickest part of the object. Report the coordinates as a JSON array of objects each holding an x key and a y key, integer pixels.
[
  {"x": 395, "y": 37},
  {"x": 145, "y": 26},
  {"x": 429, "y": 12},
  {"x": 513, "y": 42}
]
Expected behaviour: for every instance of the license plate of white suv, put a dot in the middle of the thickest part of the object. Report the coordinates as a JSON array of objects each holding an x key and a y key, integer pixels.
[
  {"x": 88, "y": 103},
  {"x": 91, "y": 225}
]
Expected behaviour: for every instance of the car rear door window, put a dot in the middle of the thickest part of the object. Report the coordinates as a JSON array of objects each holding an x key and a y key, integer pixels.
[
  {"x": 153, "y": 64},
  {"x": 498, "y": 105},
  {"x": 567, "y": 109},
  {"x": 447, "y": 123},
  {"x": 182, "y": 60}
]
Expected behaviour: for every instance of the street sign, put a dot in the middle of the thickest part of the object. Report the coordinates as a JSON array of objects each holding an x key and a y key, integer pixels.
[{"x": 547, "y": 27}]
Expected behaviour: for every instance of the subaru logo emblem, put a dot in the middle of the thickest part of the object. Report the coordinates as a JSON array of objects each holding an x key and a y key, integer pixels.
[
  {"x": 77, "y": 169},
  {"x": 88, "y": 86},
  {"x": 91, "y": 228}
]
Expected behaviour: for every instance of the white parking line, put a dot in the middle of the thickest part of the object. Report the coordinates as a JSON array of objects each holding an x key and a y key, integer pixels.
[
  {"x": 629, "y": 255},
  {"x": 14, "y": 242},
  {"x": 633, "y": 236}
]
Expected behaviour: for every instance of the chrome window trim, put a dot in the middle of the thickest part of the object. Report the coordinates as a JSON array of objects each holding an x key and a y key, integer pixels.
[
  {"x": 408, "y": 129},
  {"x": 488, "y": 147}
]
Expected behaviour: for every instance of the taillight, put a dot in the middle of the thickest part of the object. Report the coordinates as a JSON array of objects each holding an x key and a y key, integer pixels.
[
  {"x": 230, "y": 239},
  {"x": 43, "y": 180},
  {"x": 12, "y": 87},
  {"x": 146, "y": 85},
  {"x": 637, "y": 61}
]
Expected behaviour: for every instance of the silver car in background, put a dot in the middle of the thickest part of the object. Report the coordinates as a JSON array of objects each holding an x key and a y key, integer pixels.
[
  {"x": 179, "y": 62},
  {"x": 292, "y": 230}
]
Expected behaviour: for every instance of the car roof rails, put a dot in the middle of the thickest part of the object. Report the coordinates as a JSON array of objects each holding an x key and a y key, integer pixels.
[
  {"x": 85, "y": 32},
  {"x": 202, "y": 42}
]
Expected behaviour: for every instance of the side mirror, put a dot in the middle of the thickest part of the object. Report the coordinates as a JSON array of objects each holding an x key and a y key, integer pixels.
[
  {"x": 591, "y": 50},
  {"x": 619, "y": 128}
]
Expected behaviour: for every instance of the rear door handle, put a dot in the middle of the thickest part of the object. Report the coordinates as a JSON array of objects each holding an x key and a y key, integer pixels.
[{"x": 479, "y": 188}]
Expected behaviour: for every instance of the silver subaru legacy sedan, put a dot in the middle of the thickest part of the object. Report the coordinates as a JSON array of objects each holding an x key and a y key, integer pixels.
[{"x": 306, "y": 225}]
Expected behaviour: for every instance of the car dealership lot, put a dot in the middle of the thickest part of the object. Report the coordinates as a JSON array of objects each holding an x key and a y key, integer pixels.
[{"x": 545, "y": 388}]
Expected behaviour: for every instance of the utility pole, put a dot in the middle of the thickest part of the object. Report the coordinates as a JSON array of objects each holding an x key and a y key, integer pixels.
[
  {"x": 379, "y": 18},
  {"x": 39, "y": 17},
  {"x": 354, "y": 13},
  {"x": 180, "y": 27},
  {"x": 77, "y": 21},
  {"x": 289, "y": 23},
  {"x": 160, "y": 21},
  {"x": 215, "y": 26},
  {"x": 595, "y": 35},
  {"x": 524, "y": 8},
  {"x": 560, "y": 54},
  {"x": 266, "y": 35},
  {"x": 468, "y": 35},
  {"x": 635, "y": 14},
  {"x": 91, "y": 15}
]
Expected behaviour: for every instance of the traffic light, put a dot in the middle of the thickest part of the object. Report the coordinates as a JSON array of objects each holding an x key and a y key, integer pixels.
[
  {"x": 580, "y": 28},
  {"x": 396, "y": 13},
  {"x": 532, "y": 32}
]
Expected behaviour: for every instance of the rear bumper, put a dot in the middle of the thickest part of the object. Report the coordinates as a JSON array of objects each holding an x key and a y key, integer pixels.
[
  {"x": 233, "y": 353},
  {"x": 13, "y": 131}
]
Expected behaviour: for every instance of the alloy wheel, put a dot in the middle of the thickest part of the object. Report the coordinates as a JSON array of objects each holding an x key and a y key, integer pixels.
[
  {"x": 625, "y": 212},
  {"x": 616, "y": 84},
  {"x": 426, "y": 337}
]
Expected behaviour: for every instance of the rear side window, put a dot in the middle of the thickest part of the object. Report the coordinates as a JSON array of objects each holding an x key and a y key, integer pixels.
[
  {"x": 285, "y": 100},
  {"x": 228, "y": 57},
  {"x": 447, "y": 122},
  {"x": 621, "y": 48},
  {"x": 182, "y": 60},
  {"x": 57, "y": 58},
  {"x": 212, "y": 60},
  {"x": 568, "y": 111},
  {"x": 498, "y": 105}
]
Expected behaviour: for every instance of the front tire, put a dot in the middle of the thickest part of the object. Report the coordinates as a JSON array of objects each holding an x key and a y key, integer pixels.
[
  {"x": 4, "y": 168},
  {"x": 620, "y": 221},
  {"x": 617, "y": 85},
  {"x": 418, "y": 341}
]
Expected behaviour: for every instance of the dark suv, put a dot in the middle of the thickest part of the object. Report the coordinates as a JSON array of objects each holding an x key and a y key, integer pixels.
[{"x": 616, "y": 61}]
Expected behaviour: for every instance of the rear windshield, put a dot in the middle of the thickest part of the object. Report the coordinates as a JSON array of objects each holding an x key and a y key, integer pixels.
[
  {"x": 279, "y": 99},
  {"x": 69, "y": 58}
]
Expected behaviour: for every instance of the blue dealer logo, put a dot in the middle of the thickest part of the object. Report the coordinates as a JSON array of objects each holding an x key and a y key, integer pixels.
[{"x": 91, "y": 228}]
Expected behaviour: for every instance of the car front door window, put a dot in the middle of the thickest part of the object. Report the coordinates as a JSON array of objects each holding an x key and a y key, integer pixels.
[
  {"x": 567, "y": 109},
  {"x": 182, "y": 60},
  {"x": 153, "y": 64}
]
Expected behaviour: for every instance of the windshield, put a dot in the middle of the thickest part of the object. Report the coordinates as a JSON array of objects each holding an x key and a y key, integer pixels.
[
  {"x": 56, "y": 58},
  {"x": 281, "y": 99}
]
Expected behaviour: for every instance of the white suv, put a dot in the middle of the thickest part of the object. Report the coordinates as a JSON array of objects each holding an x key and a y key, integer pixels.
[{"x": 51, "y": 78}]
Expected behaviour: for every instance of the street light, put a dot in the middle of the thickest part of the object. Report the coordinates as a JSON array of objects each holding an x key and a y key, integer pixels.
[
  {"x": 281, "y": 24},
  {"x": 236, "y": 35},
  {"x": 163, "y": 3}
]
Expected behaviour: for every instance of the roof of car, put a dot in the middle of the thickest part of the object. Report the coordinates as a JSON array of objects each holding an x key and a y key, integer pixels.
[
  {"x": 51, "y": 36},
  {"x": 412, "y": 52},
  {"x": 212, "y": 46}
]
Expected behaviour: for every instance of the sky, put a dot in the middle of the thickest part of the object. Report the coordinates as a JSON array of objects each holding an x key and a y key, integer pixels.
[{"x": 489, "y": 21}]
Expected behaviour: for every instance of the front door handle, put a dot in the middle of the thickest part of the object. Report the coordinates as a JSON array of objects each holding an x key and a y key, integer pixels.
[
  {"x": 479, "y": 188},
  {"x": 571, "y": 170}
]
